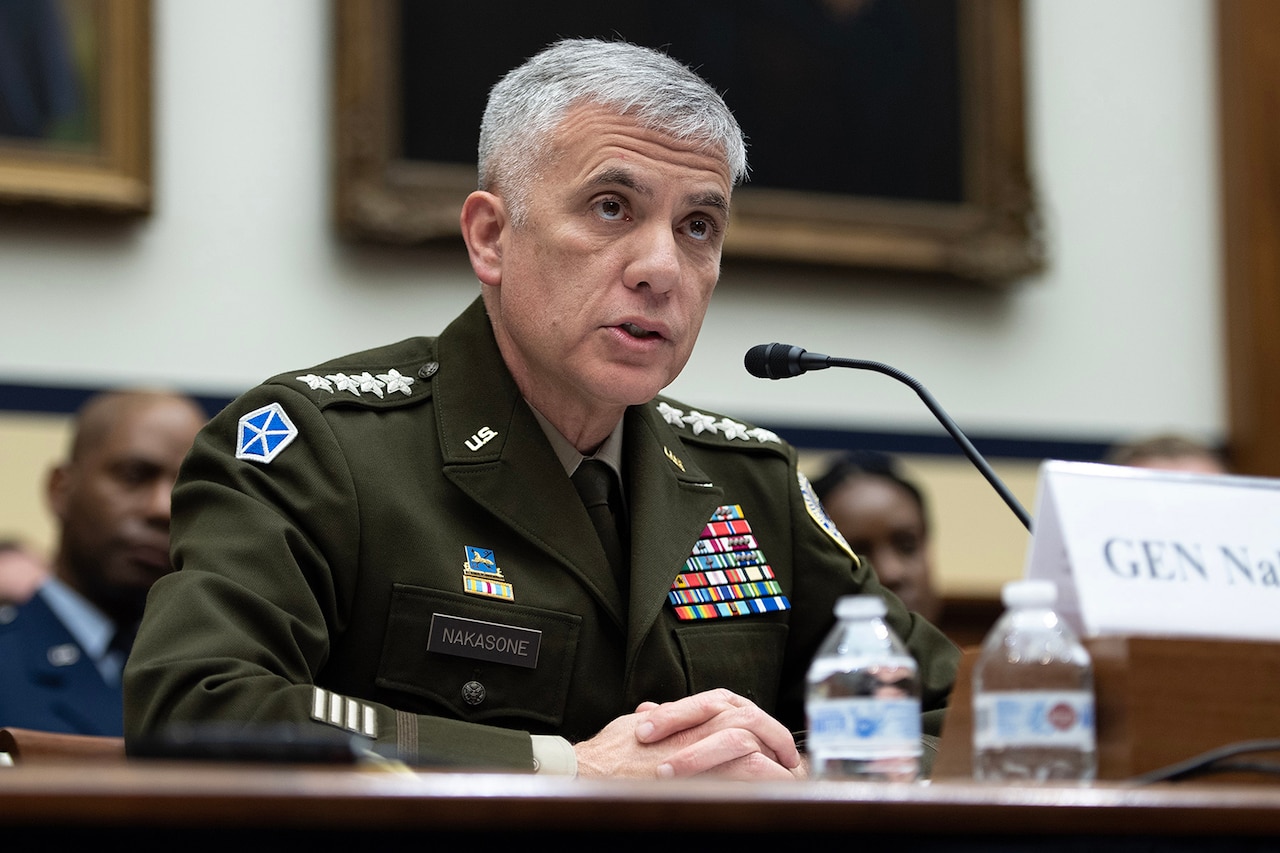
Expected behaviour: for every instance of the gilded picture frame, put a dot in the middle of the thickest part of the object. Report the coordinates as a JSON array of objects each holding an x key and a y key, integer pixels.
[
  {"x": 988, "y": 232},
  {"x": 103, "y": 164}
]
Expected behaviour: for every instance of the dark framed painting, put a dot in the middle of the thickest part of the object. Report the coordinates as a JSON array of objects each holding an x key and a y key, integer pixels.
[
  {"x": 75, "y": 104},
  {"x": 883, "y": 134}
]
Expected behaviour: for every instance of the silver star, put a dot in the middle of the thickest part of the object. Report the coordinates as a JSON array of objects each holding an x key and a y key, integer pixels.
[
  {"x": 368, "y": 383},
  {"x": 397, "y": 382},
  {"x": 315, "y": 382},
  {"x": 761, "y": 434},
  {"x": 699, "y": 422},
  {"x": 345, "y": 382},
  {"x": 733, "y": 429},
  {"x": 671, "y": 415}
]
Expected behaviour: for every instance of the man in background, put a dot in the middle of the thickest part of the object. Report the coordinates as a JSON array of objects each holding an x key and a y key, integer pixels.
[
  {"x": 62, "y": 651},
  {"x": 1169, "y": 452}
]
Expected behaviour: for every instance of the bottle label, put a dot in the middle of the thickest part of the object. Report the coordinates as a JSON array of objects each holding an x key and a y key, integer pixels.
[
  {"x": 864, "y": 727},
  {"x": 1037, "y": 718}
]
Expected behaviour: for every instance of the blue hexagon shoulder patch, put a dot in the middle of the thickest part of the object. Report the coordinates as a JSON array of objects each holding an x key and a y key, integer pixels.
[{"x": 263, "y": 433}]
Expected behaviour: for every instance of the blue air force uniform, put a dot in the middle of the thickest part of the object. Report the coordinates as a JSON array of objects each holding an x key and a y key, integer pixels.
[{"x": 51, "y": 679}]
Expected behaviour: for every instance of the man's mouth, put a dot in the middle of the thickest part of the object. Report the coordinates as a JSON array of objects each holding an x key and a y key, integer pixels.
[{"x": 636, "y": 332}]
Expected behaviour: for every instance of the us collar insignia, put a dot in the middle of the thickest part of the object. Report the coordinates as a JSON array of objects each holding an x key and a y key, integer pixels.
[
  {"x": 482, "y": 576},
  {"x": 726, "y": 574},
  {"x": 263, "y": 433},
  {"x": 700, "y": 423},
  {"x": 819, "y": 514}
]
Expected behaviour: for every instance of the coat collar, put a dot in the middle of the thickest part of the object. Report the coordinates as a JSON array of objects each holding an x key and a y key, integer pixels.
[{"x": 495, "y": 451}]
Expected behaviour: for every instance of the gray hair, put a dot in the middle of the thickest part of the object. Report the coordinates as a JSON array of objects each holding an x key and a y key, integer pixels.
[{"x": 527, "y": 105}]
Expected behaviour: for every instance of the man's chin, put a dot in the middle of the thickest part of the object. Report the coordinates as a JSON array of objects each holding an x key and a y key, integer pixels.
[{"x": 633, "y": 386}]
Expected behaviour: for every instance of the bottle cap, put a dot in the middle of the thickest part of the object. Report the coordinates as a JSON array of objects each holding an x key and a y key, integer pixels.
[
  {"x": 1029, "y": 593},
  {"x": 860, "y": 607}
]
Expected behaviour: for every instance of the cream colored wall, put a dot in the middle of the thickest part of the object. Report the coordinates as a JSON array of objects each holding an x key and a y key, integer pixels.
[{"x": 29, "y": 446}]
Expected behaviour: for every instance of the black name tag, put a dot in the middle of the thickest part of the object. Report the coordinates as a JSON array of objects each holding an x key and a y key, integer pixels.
[{"x": 471, "y": 638}]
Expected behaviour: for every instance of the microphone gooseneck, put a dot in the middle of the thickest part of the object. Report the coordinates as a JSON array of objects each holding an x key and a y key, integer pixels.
[{"x": 781, "y": 361}]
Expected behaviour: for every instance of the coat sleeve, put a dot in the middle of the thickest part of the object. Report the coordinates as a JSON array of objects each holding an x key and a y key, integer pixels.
[{"x": 266, "y": 566}]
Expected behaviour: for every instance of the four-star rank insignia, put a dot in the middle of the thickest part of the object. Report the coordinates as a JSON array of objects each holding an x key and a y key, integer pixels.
[
  {"x": 263, "y": 433},
  {"x": 726, "y": 574},
  {"x": 481, "y": 575}
]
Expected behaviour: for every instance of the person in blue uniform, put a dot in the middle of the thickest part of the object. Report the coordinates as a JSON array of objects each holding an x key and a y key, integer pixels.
[
  {"x": 62, "y": 650},
  {"x": 402, "y": 543}
]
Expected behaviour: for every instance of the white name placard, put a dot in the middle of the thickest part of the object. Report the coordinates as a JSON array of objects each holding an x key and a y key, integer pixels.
[{"x": 1140, "y": 551}]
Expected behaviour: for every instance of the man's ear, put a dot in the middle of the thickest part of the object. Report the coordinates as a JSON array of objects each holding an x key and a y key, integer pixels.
[
  {"x": 57, "y": 489},
  {"x": 484, "y": 220}
]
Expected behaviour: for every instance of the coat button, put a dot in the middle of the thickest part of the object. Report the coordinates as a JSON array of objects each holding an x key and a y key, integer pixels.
[
  {"x": 473, "y": 693},
  {"x": 428, "y": 370}
]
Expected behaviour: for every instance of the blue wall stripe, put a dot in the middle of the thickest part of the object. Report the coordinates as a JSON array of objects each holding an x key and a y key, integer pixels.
[
  {"x": 64, "y": 400},
  {"x": 941, "y": 443}
]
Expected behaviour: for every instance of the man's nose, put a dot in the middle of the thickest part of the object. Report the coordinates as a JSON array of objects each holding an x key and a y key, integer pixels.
[
  {"x": 159, "y": 500},
  {"x": 657, "y": 261}
]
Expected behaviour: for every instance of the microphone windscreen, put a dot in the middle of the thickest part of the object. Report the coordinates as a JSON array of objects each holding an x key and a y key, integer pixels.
[{"x": 757, "y": 361}]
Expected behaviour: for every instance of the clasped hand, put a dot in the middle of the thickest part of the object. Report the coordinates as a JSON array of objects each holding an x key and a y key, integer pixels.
[{"x": 716, "y": 733}]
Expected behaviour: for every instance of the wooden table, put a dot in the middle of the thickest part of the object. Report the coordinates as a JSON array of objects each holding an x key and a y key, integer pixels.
[{"x": 243, "y": 807}]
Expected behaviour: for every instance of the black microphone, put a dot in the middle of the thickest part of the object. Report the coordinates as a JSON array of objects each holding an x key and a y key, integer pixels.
[{"x": 780, "y": 361}]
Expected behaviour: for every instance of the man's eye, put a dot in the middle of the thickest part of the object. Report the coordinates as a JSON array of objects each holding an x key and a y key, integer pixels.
[
  {"x": 701, "y": 229},
  {"x": 610, "y": 208},
  {"x": 134, "y": 475}
]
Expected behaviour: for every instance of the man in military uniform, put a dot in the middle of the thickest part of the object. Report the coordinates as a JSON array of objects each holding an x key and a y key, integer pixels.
[
  {"x": 396, "y": 543},
  {"x": 62, "y": 647}
]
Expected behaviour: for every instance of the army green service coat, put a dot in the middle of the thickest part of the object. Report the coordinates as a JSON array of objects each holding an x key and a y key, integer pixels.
[{"x": 322, "y": 522}]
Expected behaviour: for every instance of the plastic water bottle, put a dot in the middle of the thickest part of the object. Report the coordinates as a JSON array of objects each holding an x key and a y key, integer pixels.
[
  {"x": 1033, "y": 699},
  {"x": 863, "y": 699}
]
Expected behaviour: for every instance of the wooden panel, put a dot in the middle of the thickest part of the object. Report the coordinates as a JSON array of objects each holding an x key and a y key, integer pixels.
[{"x": 1249, "y": 81}]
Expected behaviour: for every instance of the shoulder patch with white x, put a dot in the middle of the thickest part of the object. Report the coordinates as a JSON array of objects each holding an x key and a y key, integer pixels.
[{"x": 263, "y": 433}]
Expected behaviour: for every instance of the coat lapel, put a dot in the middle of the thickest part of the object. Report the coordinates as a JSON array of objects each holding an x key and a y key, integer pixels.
[
  {"x": 495, "y": 451},
  {"x": 671, "y": 502}
]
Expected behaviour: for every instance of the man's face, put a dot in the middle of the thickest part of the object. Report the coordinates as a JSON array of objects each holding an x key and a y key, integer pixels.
[
  {"x": 603, "y": 288},
  {"x": 113, "y": 504}
]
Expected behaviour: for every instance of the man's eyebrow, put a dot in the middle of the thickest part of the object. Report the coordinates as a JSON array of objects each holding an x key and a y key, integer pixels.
[
  {"x": 711, "y": 199},
  {"x": 624, "y": 178}
]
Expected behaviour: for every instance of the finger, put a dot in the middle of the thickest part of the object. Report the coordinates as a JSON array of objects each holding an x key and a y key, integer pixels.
[
  {"x": 771, "y": 737},
  {"x": 726, "y": 754},
  {"x": 691, "y": 711}
]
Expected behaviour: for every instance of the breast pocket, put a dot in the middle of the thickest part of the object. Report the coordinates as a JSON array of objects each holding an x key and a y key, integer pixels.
[
  {"x": 743, "y": 656},
  {"x": 478, "y": 661}
]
